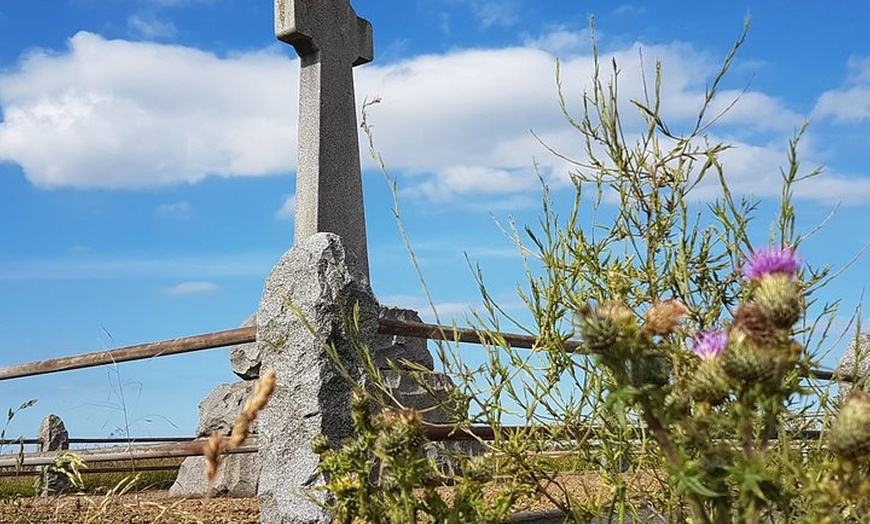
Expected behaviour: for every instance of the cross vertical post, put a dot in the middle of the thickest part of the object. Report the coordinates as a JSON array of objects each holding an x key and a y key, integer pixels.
[{"x": 330, "y": 39}]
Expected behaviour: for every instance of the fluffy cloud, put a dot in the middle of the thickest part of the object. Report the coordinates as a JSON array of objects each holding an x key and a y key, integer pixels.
[
  {"x": 112, "y": 113},
  {"x": 851, "y": 103},
  {"x": 150, "y": 27},
  {"x": 496, "y": 12},
  {"x": 455, "y": 126}
]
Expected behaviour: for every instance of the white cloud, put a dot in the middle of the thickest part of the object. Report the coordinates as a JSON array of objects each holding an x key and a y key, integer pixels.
[
  {"x": 112, "y": 113},
  {"x": 192, "y": 288},
  {"x": 176, "y": 210},
  {"x": 447, "y": 311},
  {"x": 150, "y": 27},
  {"x": 455, "y": 127},
  {"x": 629, "y": 10},
  {"x": 288, "y": 209},
  {"x": 560, "y": 41},
  {"x": 851, "y": 103},
  {"x": 496, "y": 12}
]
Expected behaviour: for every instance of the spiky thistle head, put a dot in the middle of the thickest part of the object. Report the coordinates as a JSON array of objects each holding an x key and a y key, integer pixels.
[
  {"x": 769, "y": 261},
  {"x": 603, "y": 327},
  {"x": 709, "y": 344},
  {"x": 850, "y": 433}
]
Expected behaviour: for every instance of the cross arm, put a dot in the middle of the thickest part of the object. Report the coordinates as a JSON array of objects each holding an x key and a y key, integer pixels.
[{"x": 304, "y": 24}]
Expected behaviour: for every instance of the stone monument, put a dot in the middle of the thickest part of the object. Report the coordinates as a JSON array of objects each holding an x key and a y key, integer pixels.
[
  {"x": 324, "y": 279},
  {"x": 330, "y": 40}
]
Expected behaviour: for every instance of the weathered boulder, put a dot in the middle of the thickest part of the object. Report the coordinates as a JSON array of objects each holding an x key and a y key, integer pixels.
[
  {"x": 54, "y": 437},
  {"x": 238, "y": 473},
  {"x": 854, "y": 365},
  {"x": 245, "y": 358},
  {"x": 310, "y": 295},
  {"x": 412, "y": 394},
  {"x": 218, "y": 410},
  {"x": 397, "y": 347},
  {"x": 237, "y": 476}
]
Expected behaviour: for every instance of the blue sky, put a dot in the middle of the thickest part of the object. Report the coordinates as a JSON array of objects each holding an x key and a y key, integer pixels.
[{"x": 147, "y": 154}]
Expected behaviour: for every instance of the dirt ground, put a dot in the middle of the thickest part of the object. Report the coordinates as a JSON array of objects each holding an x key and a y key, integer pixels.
[
  {"x": 148, "y": 507},
  {"x": 153, "y": 507}
]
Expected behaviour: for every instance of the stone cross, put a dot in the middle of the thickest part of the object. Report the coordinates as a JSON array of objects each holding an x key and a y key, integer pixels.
[{"x": 330, "y": 40}]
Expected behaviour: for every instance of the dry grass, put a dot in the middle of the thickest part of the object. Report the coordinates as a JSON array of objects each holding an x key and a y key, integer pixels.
[{"x": 217, "y": 444}]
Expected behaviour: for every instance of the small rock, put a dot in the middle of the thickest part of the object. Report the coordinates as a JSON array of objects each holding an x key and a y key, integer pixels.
[
  {"x": 854, "y": 365},
  {"x": 54, "y": 437},
  {"x": 245, "y": 359},
  {"x": 397, "y": 347},
  {"x": 237, "y": 477},
  {"x": 218, "y": 410}
]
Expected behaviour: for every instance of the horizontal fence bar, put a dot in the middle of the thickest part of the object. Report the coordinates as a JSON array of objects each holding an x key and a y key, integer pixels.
[
  {"x": 447, "y": 433},
  {"x": 88, "y": 440},
  {"x": 117, "y": 453},
  {"x": 131, "y": 440},
  {"x": 434, "y": 433},
  {"x": 457, "y": 334},
  {"x": 154, "y": 349},
  {"x": 249, "y": 334},
  {"x": 17, "y": 441},
  {"x": 129, "y": 469}
]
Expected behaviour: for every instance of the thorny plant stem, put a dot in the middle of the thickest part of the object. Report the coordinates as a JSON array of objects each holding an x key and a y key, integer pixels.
[{"x": 664, "y": 441}]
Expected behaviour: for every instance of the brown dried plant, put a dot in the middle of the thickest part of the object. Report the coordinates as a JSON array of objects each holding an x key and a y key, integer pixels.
[{"x": 218, "y": 445}]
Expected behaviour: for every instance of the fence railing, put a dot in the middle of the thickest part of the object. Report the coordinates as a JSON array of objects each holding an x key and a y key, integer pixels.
[{"x": 247, "y": 335}]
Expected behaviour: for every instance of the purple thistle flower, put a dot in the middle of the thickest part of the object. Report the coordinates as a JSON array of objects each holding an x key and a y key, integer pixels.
[
  {"x": 771, "y": 260},
  {"x": 710, "y": 343}
]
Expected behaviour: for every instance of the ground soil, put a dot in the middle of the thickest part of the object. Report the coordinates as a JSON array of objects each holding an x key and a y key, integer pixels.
[
  {"x": 141, "y": 508},
  {"x": 152, "y": 507}
]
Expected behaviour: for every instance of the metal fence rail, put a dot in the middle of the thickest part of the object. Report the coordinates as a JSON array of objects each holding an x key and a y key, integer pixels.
[
  {"x": 184, "y": 447},
  {"x": 118, "y": 453},
  {"x": 249, "y": 334}
]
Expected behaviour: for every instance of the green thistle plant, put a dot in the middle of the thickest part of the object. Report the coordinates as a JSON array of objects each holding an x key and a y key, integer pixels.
[{"x": 639, "y": 275}]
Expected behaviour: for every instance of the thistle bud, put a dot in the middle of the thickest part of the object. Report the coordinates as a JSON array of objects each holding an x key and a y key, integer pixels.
[
  {"x": 780, "y": 298},
  {"x": 620, "y": 314},
  {"x": 754, "y": 320},
  {"x": 599, "y": 328},
  {"x": 709, "y": 383},
  {"x": 850, "y": 434},
  {"x": 745, "y": 361},
  {"x": 320, "y": 444},
  {"x": 651, "y": 369},
  {"x": 663, "y": 318},
  {"x": 401, "y": 433},
  {"x": 477, "y": 469},
  {"x": 360, "y": 409}
]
